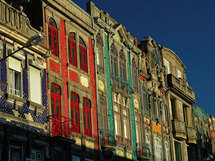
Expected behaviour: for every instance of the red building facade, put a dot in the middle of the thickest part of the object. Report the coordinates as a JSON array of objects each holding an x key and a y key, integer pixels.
[{"x": 71, "y": 81}]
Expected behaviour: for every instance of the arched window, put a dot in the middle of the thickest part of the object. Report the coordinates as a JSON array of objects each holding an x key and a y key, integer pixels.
[
  {"x": 99, "y": 45},
  {"x": 87, "y": 117},
  {"x": 134, "y": 75},
  {"x": 75, "y": 116},
  {"x": 53, "y": 37},
  {"x": 55, "y": 99},
  {"x": 113, "y": 53},
  {"x": 83, "y": 55},
  {"x": 72, "y": 49},
  {"x": 122, "y": 66}
]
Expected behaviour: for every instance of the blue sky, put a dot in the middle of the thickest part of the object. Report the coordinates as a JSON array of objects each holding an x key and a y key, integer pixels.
[{"x": 185, "y": 26}]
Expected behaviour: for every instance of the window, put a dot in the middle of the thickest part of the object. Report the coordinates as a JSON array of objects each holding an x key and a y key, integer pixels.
[
  {"x": 74, "y": 104},
  {"x": 157, "y": 107},
  {"x": 15, "y": 153},
  {"x": 72, "y": 49},
  {"x": 55, "y": 99},
  {"x": 117, "y": 120},
  {"x": 126, "y": 123},
  {"x": 122, "y": 66},
  {"x": 103, "y": 113},
  {"x": 14, "y": 76},
  {"x": 35, "y": 85},
  {"x": 158, "y": 149},
  {"x": 83, "y": 55},
  {"x": 167, "y": 64},
  {"x": 153, "y": 106},
  {"x": 138, "y": 128},
  {"x": 167, "y": 151},
  {"x": 87, "y": 117},
  {"x": 75, "y": 158},
  {"x": 134, "y": 75},
  {"x": 58, "y": 155},
  {"x": 99, "y": 45},
  {"x": 113, "y": 52},
  {"x": 36, "y": 155},
  {"x": 178, "y": 151},
  {"x": 122, "y": 123},
  {"x": 178, "y": 73},
  {"x": 148, "y": 142},
  {"x": 53, "y": 37},
  {"x": 145, "y": 101}
]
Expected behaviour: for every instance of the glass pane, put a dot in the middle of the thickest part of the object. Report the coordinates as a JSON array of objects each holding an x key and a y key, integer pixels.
[
  {"x": 50, "y": 39},
  {"x": 76, "y": 118}
]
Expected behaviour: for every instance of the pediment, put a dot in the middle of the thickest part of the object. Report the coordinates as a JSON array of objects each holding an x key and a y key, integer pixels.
[{"x": 120, "y": 34}]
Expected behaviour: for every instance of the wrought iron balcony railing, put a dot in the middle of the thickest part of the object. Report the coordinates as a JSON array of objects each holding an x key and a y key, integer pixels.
[
  {"x": 143, "y": 150},
  {"x": 107, "y": 139},
  {"x": 61, "y": 126}
]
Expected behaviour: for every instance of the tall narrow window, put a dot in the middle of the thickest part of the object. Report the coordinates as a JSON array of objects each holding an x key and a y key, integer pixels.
[
  {"x": 74, "y": 103},
  {"x": 14, "y": 76},
  {"x": 103, "y": 113},
  {"x": 153, "y": 107},
  {"x": 72, "y": 49},
  {"x": 167, "y": 151},
  {"x": 35, "y": 85},
  {"x": 122, "y": 66},
  {"x": 87, "y": 117},
  {"x": 99, "y": 45},
  {"x": 114, "y": 70},
  {"x": 83, "y": 55},
  {"x": 134, "y": 75},
  {"x": 158, "y": 149},
  {"x": 178, "y": 151},
  {"x": 138, "y": 128},
  {"x": 55, "y": 99},
  {"x": 149, "y": 143},
  {"x": 126, "y": 125},
  {"x": 117, "y": 123},
  {"x": 145, "y": 101},
  {"x": 53, "y": 37}
]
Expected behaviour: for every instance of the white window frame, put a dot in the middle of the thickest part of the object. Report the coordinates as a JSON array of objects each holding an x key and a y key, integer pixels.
[
  {"x": 35, "y": 85},
  {"x": 14, "y": 67}
]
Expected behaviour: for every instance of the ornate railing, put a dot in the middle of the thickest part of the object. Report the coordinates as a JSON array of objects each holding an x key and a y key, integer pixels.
[
  {"x": 143, "y": 150},
  {"x": 107, "y": 138},
  {"x": 61, "y": 126},
  {"x": 124, "y": 86},
  {"x": 119, "y": 139},
  {"x": 115, "y": 82}
]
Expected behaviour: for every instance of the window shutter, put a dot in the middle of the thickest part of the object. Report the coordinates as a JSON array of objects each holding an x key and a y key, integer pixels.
[
  {"x": 35, "y": 85},
  {"x": 14, "y": 64}
]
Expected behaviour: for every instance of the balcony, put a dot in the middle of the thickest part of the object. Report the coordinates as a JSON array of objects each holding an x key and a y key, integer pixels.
[
  {"x": 179, "y": 129},
  {"x": 119, "y": 85},
  {"x": 107, "y": 139},
  {"x": 181, "y": 88},
  {"x": 61, "y": 127},
  {"x": 143, "y": 151},
  {"x": 191, "y": 135}
]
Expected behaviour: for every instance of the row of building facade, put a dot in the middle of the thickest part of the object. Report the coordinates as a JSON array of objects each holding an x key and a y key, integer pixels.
[{"x": 91, "y": 92}]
